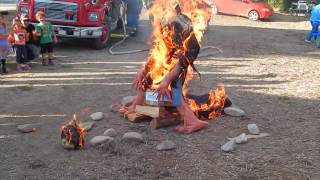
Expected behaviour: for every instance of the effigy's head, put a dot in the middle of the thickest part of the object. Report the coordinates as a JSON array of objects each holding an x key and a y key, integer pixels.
[
  {"x": 175, "y": 7},
  {"x": 176, "y": 29}
]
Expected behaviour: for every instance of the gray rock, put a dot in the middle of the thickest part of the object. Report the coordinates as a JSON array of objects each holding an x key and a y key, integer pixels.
[
  {"x": 253, "y": 129},
  {"x": 127, "y": 100},
  {"x": 26, "y": 128},
  {"x": 110, "y": 132},
  {"x": 234, "y": 111},
  {"x": 86, "y": 126},
  {"x": 133, "y": 137},
  {"x": 114, "y": 107},
  {"x": 67, "y": 145},
  {"x": 242, "y": 138},
  {"x": 100, "y": 139},
  {"x": 165, "y": 145},
  {"x": 229, "y": 146},
  {"x": 97, "y": 116}
]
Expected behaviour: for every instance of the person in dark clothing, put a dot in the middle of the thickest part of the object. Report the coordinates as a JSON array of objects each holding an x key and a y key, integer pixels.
[
  {"x": 133, "y": 13},
  {"x": 32, "y": 43}
]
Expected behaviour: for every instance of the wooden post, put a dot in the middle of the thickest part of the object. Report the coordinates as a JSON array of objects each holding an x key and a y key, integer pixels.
[
  {"x": 157, "y": 123},
  {"x": 136, "y": 117},
  {"x": 152, "y": 111}
]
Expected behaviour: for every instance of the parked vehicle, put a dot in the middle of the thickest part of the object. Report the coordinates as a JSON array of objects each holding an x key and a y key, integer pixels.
[
  {"x": 253, "y": 9},
  {"x": 301, "y": 7},
  {"x": 87, "y": 19}
]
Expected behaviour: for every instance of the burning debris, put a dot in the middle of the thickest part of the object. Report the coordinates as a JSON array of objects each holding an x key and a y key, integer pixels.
[
  {"x": 72, "y": 135},
  {"x": 211, "y": 105}
]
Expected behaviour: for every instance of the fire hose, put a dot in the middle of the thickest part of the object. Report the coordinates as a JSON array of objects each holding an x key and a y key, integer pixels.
[{"x": 125, "y": 36}]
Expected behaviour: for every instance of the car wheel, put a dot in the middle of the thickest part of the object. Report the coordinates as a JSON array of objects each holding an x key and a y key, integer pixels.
[
  {"x": 294, "y": 13},
  {"x": 253, "y": 15},
  {"x": 214, "y": 9},
  {"x": 103, "y": 41}
]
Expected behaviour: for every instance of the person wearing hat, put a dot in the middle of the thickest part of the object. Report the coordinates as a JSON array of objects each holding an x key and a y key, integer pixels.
[{"x": 32, "y": 48}]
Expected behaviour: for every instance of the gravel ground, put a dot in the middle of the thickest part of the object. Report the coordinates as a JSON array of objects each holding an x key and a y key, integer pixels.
[{"x": 268, "y": 71}]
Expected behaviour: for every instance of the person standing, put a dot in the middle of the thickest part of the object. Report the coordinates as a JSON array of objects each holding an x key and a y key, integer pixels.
[
  {"x": 315, "y": 22},
  {"x": 4, "y": 47},
  {"x": 47, "y": 38},
  {"x": 133, "y": 13},
  {"x": 19, "y": 37},
  {"x": 32, "y": 49}
]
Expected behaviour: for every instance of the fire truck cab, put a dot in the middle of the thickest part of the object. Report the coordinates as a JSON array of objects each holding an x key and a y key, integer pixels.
[{"x": 88, "y": 19}]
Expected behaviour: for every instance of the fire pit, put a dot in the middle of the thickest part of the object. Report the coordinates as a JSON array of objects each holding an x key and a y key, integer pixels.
[{"x": 72, "y": 135}]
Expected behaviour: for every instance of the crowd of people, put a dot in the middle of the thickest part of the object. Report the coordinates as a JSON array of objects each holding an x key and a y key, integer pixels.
[{"x": 27, "y": 41}]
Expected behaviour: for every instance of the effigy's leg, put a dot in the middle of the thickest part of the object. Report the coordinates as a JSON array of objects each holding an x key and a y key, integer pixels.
[
  {"x": 138, "y": 100},
  {"x": 190, "y": 121}
]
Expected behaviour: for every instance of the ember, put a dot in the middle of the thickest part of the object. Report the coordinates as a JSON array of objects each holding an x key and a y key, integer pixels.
[{"x": 72, "y": 135}]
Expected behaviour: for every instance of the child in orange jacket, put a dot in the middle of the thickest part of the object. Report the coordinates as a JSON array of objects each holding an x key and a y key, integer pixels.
[{"x": 18, "y": 37}]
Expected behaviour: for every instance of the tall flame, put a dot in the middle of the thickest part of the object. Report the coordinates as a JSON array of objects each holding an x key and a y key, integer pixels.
[{"x": 160, "y": 61}]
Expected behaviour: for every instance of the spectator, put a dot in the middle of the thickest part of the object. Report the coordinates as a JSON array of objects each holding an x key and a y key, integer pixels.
[
  {"x": 47, "y": 38},
  {"x": 133, "y": 12},
  {"x": 19, "y": 37},
  {"x": 315, "y": 22},
  {"x": 4, "y": 48},
  {"x": 32, "y": 49}
]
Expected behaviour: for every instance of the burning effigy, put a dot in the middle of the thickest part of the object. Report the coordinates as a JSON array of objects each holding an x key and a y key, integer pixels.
[
  {"x": 72, "y": 135},
  {"x": 178, "y": 28}
]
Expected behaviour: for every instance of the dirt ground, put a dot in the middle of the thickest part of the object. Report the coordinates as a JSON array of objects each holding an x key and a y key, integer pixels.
[{"x": 268, "y": 71}]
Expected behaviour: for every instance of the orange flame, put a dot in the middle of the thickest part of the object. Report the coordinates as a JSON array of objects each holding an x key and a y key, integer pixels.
[
  {"x": 160, "y": 62},
  {"x": 215, "y": 104},
  {"x": 68, "y": 133}
]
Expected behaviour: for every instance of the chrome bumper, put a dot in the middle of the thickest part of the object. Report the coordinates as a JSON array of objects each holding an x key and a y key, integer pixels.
[{"x": 77, "y": 32}]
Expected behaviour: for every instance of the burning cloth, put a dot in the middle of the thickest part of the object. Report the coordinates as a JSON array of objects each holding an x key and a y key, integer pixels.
[
  {"x": 182, "y": 48},
  {"x": 177, "y": 33}
]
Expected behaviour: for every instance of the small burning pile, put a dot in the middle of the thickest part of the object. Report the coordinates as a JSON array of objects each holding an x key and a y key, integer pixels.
[
  {"x": 72, "y": 135},
  {"x": 209, "y": 106}
]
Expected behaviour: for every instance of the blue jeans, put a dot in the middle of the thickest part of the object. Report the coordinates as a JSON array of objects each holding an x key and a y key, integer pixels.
[
  {"x": 21, "y": 54},
  {"x": 176, "y": 93},
  {"x": 314, "y": 31},
  {"x": 133, "y": 20}
]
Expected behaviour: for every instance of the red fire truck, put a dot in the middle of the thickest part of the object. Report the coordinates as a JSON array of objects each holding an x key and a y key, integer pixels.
[{"x": 87, "y": 19}]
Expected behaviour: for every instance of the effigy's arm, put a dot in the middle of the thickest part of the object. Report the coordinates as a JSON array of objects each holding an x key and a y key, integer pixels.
[
  {"x": 163, "y": 88},
  {"x": 140, "y": 76}
]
